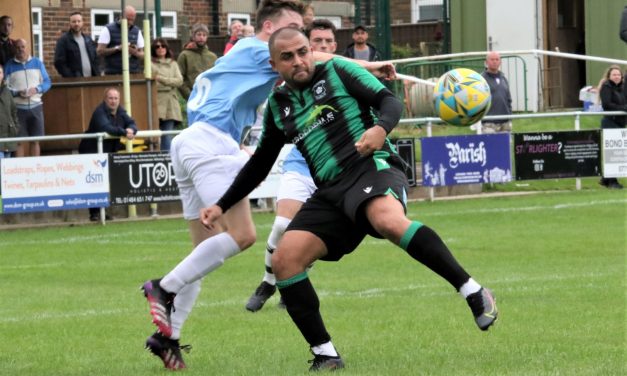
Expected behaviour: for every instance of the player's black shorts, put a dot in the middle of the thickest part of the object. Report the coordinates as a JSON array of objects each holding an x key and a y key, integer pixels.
[{"x": 335, "y": 211}]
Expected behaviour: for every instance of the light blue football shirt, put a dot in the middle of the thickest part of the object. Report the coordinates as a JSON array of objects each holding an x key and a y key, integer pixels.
[
  {"x": 295, "y": 162},
  {"x": 227, "y": 95}
]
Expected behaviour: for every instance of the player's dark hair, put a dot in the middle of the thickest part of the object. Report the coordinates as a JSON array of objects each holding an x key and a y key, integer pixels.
[
  {"x": 271, "y": 9},
  {"x": 320, "y": 24},
  {"x": 75, "y": 13}
]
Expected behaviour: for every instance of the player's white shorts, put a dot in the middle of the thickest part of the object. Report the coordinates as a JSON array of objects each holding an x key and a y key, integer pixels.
[
  {"x": 205, "y": 162},
  {"x": 295, "y": 186}
]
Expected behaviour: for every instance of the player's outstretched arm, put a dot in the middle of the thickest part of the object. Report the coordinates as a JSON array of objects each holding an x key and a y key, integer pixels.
[{"x": 380, "y": 69}]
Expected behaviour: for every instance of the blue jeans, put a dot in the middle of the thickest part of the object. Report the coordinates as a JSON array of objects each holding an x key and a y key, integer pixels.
[{"x": 166, "y": 139}]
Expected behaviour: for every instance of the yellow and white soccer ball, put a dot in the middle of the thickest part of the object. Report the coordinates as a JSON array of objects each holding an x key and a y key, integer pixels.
[{"x": 461, "y": 97}]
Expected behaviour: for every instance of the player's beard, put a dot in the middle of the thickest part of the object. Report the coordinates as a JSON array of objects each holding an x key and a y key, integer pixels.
[{"x": 300, "y": 79}]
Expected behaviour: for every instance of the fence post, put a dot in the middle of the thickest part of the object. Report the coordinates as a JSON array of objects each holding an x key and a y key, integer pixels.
[
  {"x": 102, "y": 209},
  {"x": 577, "y": 127},
  {"x": 431, "y": 189}
]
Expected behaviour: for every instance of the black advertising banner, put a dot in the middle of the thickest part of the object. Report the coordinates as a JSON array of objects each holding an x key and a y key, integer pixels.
[
  {"x": 550, "y": 155},
  {"x": 406, "y": 150},
  {"x": 140, "y": 178}
]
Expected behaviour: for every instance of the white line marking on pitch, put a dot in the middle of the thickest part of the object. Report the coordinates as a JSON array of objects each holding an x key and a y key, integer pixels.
[{"x": 510, "y": 284}]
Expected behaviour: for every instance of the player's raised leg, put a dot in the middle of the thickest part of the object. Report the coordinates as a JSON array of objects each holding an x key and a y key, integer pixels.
[{"x": 386, "y": 215}]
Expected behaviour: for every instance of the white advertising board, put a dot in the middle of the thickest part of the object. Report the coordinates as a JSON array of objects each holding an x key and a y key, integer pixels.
[{"x": 54, "y": 183}]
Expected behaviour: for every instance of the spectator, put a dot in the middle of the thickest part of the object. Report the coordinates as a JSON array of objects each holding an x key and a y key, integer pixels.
[
  {"x": 623, "y": 25},
  {"x": 7, "y": 45},
  {"x": 110, "y": 40},
  {"x": 235, "y": 31},
  {"x": 501, "y": 97},
  {"x": 75, "y": 53},
  {"x": 195, "y": 59},
  {"x": 9, "y": 124},
  {"x": 360, "y": 49},
  {"x": 612, "y": 96},
  {"x": 111, "y": 118},
  {"x": 28, "y": 80},
  {"x": 309, "y": 15},
  {"x": 248, "y": 31},
  {"x": 168, "y": 77}
]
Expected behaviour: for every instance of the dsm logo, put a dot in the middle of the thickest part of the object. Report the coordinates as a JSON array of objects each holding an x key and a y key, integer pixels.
[{"x": 100, "y": 164}]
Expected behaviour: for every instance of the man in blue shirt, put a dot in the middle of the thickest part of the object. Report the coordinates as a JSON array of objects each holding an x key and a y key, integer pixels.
[{"x": 28, "y": 80}]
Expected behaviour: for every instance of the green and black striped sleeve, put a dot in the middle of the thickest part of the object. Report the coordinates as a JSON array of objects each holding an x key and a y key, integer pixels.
[
  {"x": 367, "y": 89},
  {"x": 259, "y": 165}
]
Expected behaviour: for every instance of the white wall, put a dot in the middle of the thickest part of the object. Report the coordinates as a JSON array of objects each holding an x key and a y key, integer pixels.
[{"x": 513, "y": 25}]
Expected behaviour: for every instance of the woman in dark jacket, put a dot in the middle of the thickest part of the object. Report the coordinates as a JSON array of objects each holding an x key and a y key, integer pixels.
[{"x": 613, "y": 98}]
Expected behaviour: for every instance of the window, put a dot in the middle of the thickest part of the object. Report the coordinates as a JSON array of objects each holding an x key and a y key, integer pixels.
[
  {"x": 38, "y": 45},
  {"x": 335, "y": 20},
  {"x": 426, "y": 10},
  {"x": 245, "y": 18},
  {"x": 101, "y": 17}
]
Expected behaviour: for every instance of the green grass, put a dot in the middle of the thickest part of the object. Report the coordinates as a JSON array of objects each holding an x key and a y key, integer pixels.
[{"x": 70, "y": 303}]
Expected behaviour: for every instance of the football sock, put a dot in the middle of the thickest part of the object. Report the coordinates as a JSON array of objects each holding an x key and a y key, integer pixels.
[
  {"x": 183, "y": 303},
  {"x": 303, "y": 306},
  {"x": 206, "y": 257},
  {"x": 324, "y": 349},
  {"x": 425, "y": 246},
  {"x": 278, "y": 228},
  {"x": 469, "y": 287}
]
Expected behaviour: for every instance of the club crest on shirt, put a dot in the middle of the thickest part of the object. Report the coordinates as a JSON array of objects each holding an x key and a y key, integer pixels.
[{"x": 319, "y": 89}]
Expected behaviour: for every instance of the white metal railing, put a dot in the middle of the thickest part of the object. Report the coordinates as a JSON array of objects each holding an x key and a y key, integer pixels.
[
  {"x": 513, "y": 52},
  {"x": 429, "y": 121}
]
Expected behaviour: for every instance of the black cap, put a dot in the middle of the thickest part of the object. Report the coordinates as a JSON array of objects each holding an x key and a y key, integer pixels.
[{"x": 360, "y": 27}]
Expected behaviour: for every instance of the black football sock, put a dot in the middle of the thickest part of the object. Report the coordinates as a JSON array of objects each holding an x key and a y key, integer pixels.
[
  {"x": 303, "y": 306},
  {"x": 425, "y": 246}
]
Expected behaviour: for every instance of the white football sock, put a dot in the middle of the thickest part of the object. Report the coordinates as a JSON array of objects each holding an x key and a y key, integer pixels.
[
  {"x": 206, "y": 257},
  {"x": 278, "y": 229},
  {"x": 183, "y": 303},
  {"x": 325, "y": 349},
  {"x": 470, "y": 287}
]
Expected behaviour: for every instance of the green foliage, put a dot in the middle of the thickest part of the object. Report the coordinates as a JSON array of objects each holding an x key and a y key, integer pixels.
[
  {"x": 403, "y": 52},
  {"x": 556, "y": 262}
]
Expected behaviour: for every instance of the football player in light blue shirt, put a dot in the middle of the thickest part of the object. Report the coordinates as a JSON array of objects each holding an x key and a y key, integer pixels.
[{"x": 206, "y": 157}]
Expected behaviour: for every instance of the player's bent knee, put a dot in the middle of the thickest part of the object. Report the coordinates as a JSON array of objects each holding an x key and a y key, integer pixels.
[{"x": 245, "y": 239}]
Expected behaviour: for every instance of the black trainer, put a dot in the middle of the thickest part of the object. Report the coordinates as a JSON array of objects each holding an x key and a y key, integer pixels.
[
  {"x": 260, "y": 296},
  {"x": 168, "y": 350},
  {"x": 483, "y": 306},
  {"x": 161, "y": 303},
  {"x": 326, "y": 363}
]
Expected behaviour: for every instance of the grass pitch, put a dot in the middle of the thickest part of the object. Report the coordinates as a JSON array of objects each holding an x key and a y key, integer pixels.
[{"x": 70, "y": 302}]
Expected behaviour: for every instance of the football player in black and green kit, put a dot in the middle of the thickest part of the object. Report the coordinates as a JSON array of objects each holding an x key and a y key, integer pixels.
[{"x": 325, "y": 110}]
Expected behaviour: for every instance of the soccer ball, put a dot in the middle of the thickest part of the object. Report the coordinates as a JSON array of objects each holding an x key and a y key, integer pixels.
[{"x": 461, "y": 97}]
